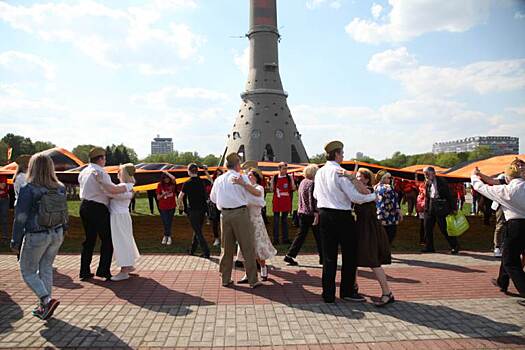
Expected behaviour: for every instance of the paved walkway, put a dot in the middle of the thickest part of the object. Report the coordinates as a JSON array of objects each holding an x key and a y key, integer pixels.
[{"x": 444, "y": 301}]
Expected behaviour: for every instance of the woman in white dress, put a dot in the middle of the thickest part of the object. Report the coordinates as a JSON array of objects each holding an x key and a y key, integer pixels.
[
  {"x": 125, "y": 250},
  {"x": 264, "y": 249}
]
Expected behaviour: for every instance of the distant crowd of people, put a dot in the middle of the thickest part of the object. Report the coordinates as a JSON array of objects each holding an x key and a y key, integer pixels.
[{"x": 356, "y": 211}]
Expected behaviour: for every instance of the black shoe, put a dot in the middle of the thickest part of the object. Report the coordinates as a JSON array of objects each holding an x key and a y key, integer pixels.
[
  {"x": 239, "y": 264},
  {"x": 454, "y": 251},
  {"x": 426, "y": 250},
  {"x": 191, "y": 252},
  {"x": 85, "y": 277},
  {"x": 320, "y": 261},
  {"x": 106, "y": 277},
  {"x": 383, "y": 302},
  {"x": 356, "y": 297},
  {"x": 50, "y": 308},
  {"x": 243, "y": 280},
  {"x": 495, "y": 283},
  {"x": 329, "y": 300},
  {"x": 291, "y": 261},
  {"x": 205, "y": 256}
]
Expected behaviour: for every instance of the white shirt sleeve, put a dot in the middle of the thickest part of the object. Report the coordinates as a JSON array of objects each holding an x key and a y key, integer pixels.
[
  {"x": 351, "y": 192},
  {"x": 213, "y": 193},
  {"x": 498, "y": 193}
]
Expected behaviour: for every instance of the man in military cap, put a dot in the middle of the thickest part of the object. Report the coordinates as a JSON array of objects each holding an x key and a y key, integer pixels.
[
  {"x": 229, "y": 193},
  {"x": 94, "y": 214},
  {"x": 334, "y": 194}
]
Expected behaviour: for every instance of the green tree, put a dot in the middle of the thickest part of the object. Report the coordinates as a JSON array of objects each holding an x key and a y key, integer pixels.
[
  {"x": 82, "y": 152},
  {"x": 3, "y": 153},
  {"x": 110, "y": 160},
  {"x": 482, "y": 152},
  {"x": 318, "y": 158},
  {"x": 20, "y": 144},
  {"x": 43, "y": 145},
  {"x": 447, "y": 160},
  {"x": 211, "y": 160}
]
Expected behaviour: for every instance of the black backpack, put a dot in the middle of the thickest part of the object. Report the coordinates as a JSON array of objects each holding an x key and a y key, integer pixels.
[{"x": 52, "y": 210}]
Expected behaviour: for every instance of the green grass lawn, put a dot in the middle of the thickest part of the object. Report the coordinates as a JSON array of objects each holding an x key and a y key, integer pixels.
[{"x": 147, "y": 230}]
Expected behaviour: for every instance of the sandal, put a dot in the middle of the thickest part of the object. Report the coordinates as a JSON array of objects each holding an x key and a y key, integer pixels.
[{"x": 382, "y": 302}]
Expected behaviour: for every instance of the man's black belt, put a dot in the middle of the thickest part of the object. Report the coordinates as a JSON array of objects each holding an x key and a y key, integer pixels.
[
  {"x": 336, "y": 210},
  {"x": 242, "y": 206}
]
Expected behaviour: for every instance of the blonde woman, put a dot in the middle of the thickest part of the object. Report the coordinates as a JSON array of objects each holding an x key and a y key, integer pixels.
[
  {"x": 37, "y": 235},
  {"x": 125, "y": 249}
]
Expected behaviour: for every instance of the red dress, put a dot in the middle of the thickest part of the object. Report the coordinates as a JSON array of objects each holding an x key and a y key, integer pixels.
[{"x": 282, "y": 195}]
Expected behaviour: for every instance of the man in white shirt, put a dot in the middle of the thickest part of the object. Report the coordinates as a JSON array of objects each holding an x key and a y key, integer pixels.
[
  {"x": 94, "y": 214},
  {"x": 511, "y": 197},
  {"x": 229, "y": 193},
  {"x": 335, "y": 194}
]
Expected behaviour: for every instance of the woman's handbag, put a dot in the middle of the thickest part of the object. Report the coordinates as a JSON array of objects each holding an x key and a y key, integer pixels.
[{"x": 457, "y": 224}]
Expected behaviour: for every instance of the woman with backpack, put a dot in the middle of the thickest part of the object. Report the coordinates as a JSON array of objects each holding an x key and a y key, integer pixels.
[
  {"x": 125, "y": 249},
  {"x": 38, "y": 230}
]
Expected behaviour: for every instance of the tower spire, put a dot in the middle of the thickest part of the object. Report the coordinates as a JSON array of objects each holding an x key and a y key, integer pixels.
[{"x": 264, "y": 129}]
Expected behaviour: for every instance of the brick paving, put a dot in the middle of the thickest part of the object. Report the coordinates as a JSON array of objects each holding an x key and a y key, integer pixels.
[{"x": 176, "y": 301}]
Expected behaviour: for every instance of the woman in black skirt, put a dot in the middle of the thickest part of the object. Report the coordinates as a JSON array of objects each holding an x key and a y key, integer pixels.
[{"x": 373, "y": 245}]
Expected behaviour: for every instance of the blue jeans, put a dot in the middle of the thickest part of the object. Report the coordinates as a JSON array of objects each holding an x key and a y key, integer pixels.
[
  {"x": 36, "y": 260},
  {"x": 167, "y": 218},
  {"x": 4, "y": 209}
]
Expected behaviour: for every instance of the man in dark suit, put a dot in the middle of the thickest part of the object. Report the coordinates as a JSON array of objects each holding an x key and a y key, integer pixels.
[{"x": 439, "y": 202}]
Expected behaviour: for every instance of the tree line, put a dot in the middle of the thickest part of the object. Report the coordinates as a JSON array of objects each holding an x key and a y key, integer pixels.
[
  {"x": 120, "y": 154},
  {"x": 400, "y": 160}
]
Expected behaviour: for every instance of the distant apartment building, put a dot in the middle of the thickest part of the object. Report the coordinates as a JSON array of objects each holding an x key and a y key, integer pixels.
[
  {"x": 498, "y": 145},
  {"x": 161, "y": 145}
]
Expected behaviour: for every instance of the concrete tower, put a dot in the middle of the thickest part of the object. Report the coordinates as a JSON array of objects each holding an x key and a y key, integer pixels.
[{"x": 264, "y": 128}]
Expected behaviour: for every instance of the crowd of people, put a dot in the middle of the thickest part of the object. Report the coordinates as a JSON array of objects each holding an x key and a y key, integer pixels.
[{"x": 355, "y": 211}]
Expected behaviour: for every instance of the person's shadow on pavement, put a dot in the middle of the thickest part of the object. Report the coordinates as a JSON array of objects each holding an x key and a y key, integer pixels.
[
  {"x": 10, "y": 312},
  {"x": 64, "y": 335},
  {"x": 150, "y": 294}
]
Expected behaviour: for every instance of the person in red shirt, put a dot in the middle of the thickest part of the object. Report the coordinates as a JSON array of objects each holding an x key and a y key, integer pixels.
[
  {"x": 167, "y": 197},
  {"x": 410, "y": 193},
  {"x": 420, "y": 210},
  {"x": 283, "y": 186},
  {"x": 4, "y": 206}
]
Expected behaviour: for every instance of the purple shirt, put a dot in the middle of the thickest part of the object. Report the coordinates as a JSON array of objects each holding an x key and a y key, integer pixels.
[{"x": 307, "y": 202}]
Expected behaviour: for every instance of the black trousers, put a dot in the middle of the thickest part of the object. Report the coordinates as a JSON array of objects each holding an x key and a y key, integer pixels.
[
  {"x": 196, "y": 218},
  {"x": 305, "y": 222},
  {"x": 430, "y": 222},
  {"x": 513, "y": 247},
  {"x": 95, "y": 220},
  {"x": 391, "y": 231},
  {"x": 338, "y": 228}
]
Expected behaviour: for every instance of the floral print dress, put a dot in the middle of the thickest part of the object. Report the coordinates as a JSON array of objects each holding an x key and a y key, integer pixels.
[{"x": 387, "y": 205}]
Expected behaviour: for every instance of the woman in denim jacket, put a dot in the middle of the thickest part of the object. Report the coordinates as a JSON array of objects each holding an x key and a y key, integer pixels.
[{"x": 36, "y": 244}]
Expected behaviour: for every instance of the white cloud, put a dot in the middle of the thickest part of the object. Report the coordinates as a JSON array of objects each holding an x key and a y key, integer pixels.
[
  {"x": 141, "y": 37},
  {"x": 376, "y": 10},
  {"x": 519, "y": 15},
  {"x": 25, "y": 66},
  {"x": 408, "y": 125},
  {"x": 313, "y": 4},
  {"x": 517, "y": 110},
  {"x": 242, "y": 60},
  {"x": 480, "y": 77},
  {"x": 170, "y": 97},
  {"x": 408, "y": 19}
]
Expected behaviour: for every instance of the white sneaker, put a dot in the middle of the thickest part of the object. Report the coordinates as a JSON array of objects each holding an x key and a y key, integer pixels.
[
  {"x": 121, "y": 276},
  {"x": 217, "y": 242},
  {"x": 168, "y": 242},
  {"x": 164, "y": 240},
  {"x": 497, "y": 253}
]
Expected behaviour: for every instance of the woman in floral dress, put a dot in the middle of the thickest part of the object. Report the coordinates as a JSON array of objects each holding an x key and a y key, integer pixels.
[
  {"x": 388, "y": 207},
  {"x": 264, "y": 249}
]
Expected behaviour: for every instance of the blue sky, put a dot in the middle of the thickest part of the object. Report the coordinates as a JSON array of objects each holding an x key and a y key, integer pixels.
[{"x": 380, "y": 75}]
